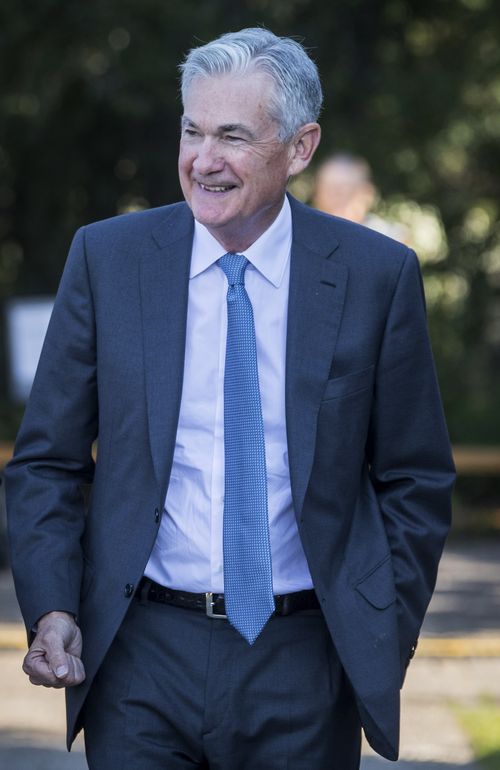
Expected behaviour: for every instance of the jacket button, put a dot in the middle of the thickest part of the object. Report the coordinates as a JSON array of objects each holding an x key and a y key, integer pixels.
[
  {"x": 157, "y": 515},
  {"x": 129, "y": 590}
]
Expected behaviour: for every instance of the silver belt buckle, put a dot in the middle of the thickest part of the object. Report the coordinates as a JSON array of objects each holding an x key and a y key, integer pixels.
[{"x": 209, "y": 603}]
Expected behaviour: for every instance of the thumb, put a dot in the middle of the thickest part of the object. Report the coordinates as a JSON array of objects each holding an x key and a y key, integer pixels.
[{"x": 57, "y": 659}]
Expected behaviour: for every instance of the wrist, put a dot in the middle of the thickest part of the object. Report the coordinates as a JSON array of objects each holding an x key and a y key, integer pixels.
[{"x": 50, "y": 617}]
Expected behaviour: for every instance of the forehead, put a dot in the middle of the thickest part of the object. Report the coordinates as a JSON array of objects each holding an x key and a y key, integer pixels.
[{"x": 229, "y": 99}]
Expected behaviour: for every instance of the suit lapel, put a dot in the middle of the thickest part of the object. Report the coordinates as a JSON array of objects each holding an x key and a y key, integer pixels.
[
  {"x": 316, "y": 299},
  {"x": 164, "y": 282}
]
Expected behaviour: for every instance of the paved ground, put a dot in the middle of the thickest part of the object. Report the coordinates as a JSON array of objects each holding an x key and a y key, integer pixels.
[{"x": 464, "y": 614}]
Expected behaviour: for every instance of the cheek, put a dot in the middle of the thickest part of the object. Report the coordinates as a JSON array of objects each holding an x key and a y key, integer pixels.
[
  {"x": 185, "y": 161},
  {"x": 185, "y": 178}
]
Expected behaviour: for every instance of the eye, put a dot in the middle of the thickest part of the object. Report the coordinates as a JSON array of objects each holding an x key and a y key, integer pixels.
[
  {"x": 233, "y": 138},
  {"x": 190, "y": 132}
]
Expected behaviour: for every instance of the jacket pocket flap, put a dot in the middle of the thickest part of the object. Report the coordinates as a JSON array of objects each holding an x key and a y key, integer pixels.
[
  {"x": 378, "y": 586},
  {"x": 349, "y": 383}
]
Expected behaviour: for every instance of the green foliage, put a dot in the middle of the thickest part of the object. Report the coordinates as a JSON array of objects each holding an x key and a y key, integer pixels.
[
  {"x": 89, "y": 127},
  {"x": 481, "y": 724}
]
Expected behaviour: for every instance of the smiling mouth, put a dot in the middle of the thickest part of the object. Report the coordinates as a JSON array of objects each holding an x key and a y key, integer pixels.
[{"x": 217, "y": 188}]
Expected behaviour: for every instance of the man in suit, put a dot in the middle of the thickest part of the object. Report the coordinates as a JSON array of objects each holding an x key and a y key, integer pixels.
[{"x": 251, "y": 566}]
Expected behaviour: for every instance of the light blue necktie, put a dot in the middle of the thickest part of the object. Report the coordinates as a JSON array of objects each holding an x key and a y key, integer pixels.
[{"x": 248, "y": 584}]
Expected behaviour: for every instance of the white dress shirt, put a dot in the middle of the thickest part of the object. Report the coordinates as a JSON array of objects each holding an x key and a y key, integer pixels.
[{"x": 187, "y": 554}]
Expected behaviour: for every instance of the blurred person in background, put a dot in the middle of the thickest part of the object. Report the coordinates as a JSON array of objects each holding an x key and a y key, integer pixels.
[
  {"x": 239, "y": 579},
  {"x": 343, "y": 187}
]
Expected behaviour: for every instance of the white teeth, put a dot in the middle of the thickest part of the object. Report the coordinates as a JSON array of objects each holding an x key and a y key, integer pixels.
[{"x": 213, "y": 188}]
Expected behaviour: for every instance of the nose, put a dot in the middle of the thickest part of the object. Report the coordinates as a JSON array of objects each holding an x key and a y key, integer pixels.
[{"x": 208, "y": 158}]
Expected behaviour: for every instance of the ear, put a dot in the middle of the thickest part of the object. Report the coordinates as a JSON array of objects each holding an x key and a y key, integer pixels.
[{"x": 302, "y": 147}]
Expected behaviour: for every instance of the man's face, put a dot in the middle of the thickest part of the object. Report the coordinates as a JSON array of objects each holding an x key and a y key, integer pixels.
[{"x": 232, "y": 167}]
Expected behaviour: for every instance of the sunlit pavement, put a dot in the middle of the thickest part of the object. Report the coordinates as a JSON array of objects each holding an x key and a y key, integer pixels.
[
  {"x": 31, "y": 722},
  {"x": 458, "y": 661}
]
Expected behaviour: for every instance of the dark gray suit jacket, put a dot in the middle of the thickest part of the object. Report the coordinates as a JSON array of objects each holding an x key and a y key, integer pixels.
[{"x": 370, "y": 462}]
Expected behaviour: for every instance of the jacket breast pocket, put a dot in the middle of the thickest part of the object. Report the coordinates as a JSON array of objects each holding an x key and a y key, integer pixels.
[{"x": 339, "y": 387}]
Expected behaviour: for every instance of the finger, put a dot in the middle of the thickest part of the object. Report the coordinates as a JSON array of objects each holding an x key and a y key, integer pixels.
[
  {"x": 40, "y": 673},
  {"x": 45, "y": 678},
  {"x": 56, "y": 685},
  {"x": 79, "y": 671},
  {"x": 58, "y": 661},
  {"x": 74, "y": 675},
  {"x": 76, "y": 672}
]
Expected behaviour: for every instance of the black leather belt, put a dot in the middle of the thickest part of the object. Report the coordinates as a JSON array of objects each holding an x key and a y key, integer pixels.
[{"x": 213, "y": 604}]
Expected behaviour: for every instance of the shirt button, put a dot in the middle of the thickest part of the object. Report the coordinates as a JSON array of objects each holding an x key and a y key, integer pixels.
[
  {"x": 157, "y": 515},
  {"x": 129, "y": 590}
]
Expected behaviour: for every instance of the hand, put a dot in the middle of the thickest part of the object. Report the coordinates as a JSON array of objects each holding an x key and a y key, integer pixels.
[{"x": 53, "y": 660}]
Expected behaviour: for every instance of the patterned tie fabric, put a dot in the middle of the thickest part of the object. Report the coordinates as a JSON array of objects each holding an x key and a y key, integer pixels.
[{"x": 248, "y": 586}]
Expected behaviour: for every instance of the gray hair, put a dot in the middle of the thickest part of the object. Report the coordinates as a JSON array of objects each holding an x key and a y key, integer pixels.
[{"x": 296, "y": 97}]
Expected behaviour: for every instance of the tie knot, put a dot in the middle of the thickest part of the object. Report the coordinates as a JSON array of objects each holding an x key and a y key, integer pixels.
[{"x": 234, "y": 266}]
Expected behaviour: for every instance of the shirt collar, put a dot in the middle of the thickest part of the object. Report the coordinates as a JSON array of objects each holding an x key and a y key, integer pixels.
[{"x": 269, "y": 254}]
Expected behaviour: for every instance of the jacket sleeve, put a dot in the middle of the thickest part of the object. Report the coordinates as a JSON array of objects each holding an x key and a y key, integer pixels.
[
  {"x": 52, "y": 463},
  {"x": 409, "y": 454}
]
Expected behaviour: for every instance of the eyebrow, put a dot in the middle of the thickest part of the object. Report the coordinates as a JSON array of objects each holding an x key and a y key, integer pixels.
[{"x": 225, "y": 128}]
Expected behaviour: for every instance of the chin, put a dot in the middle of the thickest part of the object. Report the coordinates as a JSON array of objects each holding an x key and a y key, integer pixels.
[
  {"x": 210, "y": 222},
  {"x": 208, "y": 217}
]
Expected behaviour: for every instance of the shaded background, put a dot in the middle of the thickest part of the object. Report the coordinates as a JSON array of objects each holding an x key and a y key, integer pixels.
[{"x": 89, "y": 115}]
